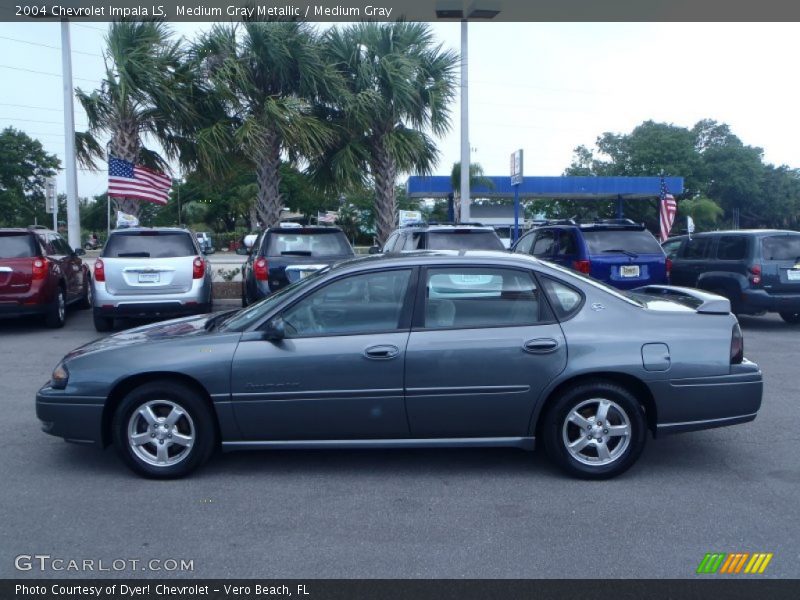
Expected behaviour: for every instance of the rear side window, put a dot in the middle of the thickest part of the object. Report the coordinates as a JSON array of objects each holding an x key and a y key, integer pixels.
[
  {"x": 781, "y": 247},
  {"x": 732, "y": 247},
  {"x": 149, "y": 244},
  {"x": 696, "y": 248},
  {"x": 543, "y": 246},
  {"x": 614, "y": 240},
  {"x": 299, "y": 243},
  {"x": 565, "y": 299},
  {"x": 17, "y": 245},
  {"x": 464, "y": 239},
  {"x": 566, "y": 243}
]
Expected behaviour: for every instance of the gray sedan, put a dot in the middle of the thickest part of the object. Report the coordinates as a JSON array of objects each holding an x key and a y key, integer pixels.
[{"x": 426, "y": 349}]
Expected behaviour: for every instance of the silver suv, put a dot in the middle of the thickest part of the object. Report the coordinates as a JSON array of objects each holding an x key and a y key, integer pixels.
[{"x": 143, "y": 272}]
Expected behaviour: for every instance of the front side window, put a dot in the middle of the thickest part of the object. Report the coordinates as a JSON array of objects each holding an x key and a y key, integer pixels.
[
  {"x": 671, "y": 248},
  {"x": 469, "y": 297},
  {"x": 697, "y": 248},
  {"x": 358, "y": 304},
  {"x": 524, "y": 245},
  {"x": 543, "y": 246}
]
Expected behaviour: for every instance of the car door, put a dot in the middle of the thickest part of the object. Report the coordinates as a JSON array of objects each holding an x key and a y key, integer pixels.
[
  {"x": 483, "y": 347},
  {"x": 72, "y": 267},
  {"x": 566, "y": 249},
  {"x": 544, "y": 246},
  {"x": 692, "y": 261},
  {"x": 338, "y": 374}
]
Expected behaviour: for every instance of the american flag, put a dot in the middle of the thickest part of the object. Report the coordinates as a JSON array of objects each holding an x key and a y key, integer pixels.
[
  {"x": 668, "y": 208},
  {"x": 126, "y": 180}
]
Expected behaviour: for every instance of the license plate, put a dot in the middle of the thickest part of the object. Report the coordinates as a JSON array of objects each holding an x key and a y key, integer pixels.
[
  {"x": 629, "y": 271},
  {"x": 149, "y": 277},
  {"x": 793, "y": 275}
]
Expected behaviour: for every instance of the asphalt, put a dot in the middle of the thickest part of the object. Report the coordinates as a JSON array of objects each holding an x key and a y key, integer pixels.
[{"x": 402, "y": 513}]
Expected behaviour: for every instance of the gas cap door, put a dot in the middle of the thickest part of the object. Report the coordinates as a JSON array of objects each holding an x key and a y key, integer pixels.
[{"x": 655, "y": 357}]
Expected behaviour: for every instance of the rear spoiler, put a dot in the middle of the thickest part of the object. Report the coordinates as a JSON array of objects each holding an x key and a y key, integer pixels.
[{"x": 702, "y": 302}]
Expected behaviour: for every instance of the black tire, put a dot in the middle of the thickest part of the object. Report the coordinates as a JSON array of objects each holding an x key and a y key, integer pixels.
[
  {"x": 85, "y": 302},
  {"x": 621, "y": 450},
  {"x": 244, "y": 296},
  {"x": 196, "y": 424},
  {"x": 103, "y": 324},
  {"x": 56, "y": 314},
  {"x": 792, "y": 318}
]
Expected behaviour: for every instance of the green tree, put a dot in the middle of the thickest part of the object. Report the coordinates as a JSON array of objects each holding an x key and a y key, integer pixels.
[
  {"x": 704, "y": 211},
  {"x": 400, "y": 85},
  {"x": 149, "y": 89},
  {"x": 24, "y": 168},
  {"x": 269, "y": 77}
]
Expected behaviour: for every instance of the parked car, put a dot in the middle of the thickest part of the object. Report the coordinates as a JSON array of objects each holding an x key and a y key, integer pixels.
[
  {"x": 408, "y": 350},
  {"x": 41, "y": 275},
  {"x": 617, "y": 251},
  {"x": 144, "y": 272},
  {"x": 205, "y": 242},
  {"x": 431, "y": 236},
  {"x": 282, "y": 255},
  {"x": 758, "y": 270}
]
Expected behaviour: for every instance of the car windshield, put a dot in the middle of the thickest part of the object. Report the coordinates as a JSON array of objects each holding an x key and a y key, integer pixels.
[
  {"x": 622, "y": 241},
  {"x": 17, "y": 245},
  {"x": 301, "y": 243},
  {"x": 781, "y": 247},
  {"x": 254, "y": 313},
  {"x": 149, "y": 244},
  {"x": 464, "y": 239},
  {"x": 626, "y": 296}
]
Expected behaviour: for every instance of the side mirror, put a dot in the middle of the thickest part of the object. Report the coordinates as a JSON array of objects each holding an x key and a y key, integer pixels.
[
  {"x": 275, "y": 330},
  {"x": 79, "y": 251},
  {"x": 375, "y": 250}
]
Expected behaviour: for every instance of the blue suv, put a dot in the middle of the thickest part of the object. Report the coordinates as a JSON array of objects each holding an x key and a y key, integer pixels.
[{"x": 617, "y": 251}]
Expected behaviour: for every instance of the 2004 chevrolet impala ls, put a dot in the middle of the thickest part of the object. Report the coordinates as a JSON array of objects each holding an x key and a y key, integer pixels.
[{"x": 425, "y": 349}]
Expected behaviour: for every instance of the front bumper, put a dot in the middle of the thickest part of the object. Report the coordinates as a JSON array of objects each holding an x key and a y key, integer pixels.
[
  {"x": 77, "y": 419},
  {"x": 708, "y": 402}
]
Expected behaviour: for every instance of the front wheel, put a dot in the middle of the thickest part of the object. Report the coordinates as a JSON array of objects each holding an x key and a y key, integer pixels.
[
  {"x": 164, "y": 430},
  {"x": 595, "y": 430},
  {"x": 790, "y": 317}
]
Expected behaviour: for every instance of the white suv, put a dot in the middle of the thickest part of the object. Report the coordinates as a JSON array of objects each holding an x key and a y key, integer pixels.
[{"x": 143, "y": 272}]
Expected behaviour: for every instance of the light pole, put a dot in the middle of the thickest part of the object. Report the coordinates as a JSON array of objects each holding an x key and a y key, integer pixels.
[
  {"x": 482, "y": 9},
  {"x": 73, "y": 217}
]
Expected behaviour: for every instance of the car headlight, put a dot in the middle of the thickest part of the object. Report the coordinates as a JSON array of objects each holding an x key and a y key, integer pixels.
[{"x": 60, "y": 376}]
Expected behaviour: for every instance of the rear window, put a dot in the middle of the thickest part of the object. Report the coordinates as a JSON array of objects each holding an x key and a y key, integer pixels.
[
  {"x": 781, "y": 247},
  {"x": 149, "y": 244},
  {"x": 317, "y": 243},
  {"x": 464, "y": 240},
  {"x": 615, "y": 240},
  {"x": 20, "y": 245}
]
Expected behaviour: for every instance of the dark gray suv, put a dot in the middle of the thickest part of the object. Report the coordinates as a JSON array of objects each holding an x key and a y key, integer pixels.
[{"x": 758, "y": 270}]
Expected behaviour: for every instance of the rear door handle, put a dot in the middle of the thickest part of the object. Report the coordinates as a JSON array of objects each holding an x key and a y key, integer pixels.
[
  {"x": 540, "y": 346},
  {"x": 382, "y": 352}
]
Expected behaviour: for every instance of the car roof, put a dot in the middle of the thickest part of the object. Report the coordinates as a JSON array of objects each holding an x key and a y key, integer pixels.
[
  {"x": 751, "y": 232},
  {"x": 437, "y": 257},
  {"x": 445, "y": 227},
  {"x": 146, "y": 229},
  {"x": 304, "y": 229}
]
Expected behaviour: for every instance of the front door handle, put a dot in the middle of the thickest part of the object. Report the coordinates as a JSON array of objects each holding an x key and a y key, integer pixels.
[
  {"x": 381, "y": 352},
  {"x": 540, "y": 346}
]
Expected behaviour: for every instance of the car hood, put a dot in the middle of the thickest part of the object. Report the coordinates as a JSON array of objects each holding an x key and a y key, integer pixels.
[{"x": 156, "y": 332}]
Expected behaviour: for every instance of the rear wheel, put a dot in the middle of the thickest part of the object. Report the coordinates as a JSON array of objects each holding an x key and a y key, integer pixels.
[
  {"x": 595, "y": 430},
  {"x": 103, "y": 324},
  {"x": 88, "y": 298},
  {"x": 164, "y": 430},
  {"x": 57, "y": 312},
  {"x": 790, "y": 317}
]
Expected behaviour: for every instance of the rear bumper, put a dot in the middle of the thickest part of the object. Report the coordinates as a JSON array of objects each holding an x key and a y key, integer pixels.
[
  {"x": 18, "y": 309},
  {"x": 708, "y": 402},
  {"x": 197, "y": 300},
  {"x": 152, "y": 309},
  {"x": 760, "y": 301},
  {"x": 76, "y": 419}
]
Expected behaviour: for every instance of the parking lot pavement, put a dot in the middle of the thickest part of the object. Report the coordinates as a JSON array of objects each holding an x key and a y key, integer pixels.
[{"x": 404, "y": 513}]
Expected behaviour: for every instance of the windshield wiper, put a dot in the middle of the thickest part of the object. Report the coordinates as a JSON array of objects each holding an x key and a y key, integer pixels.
[
  {"x": 133, "y": 255},
  {"x": 621, "y": 251},
  {"x": 296, "y": 253}
]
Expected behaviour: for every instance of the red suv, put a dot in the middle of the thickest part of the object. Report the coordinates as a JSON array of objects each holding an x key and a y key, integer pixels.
[{"x": 40, "y": 275}]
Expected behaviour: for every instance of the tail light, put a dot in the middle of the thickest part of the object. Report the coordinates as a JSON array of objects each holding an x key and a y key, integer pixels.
[
  {"x": 755, "y": 274},
  {"x": 669, "y": 268},
  {"x": 261, "y": 268},
  {"x": 737, "y": 345},
  {"x": 582, "y": 266},
  {"x": 99, "y": 270},
  {"x": 39, "y": 268},
  {"x": 198, "y": 268}
]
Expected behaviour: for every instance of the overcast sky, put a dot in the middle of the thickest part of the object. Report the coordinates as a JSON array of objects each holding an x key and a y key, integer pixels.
[{"x": 543, "y": 87}]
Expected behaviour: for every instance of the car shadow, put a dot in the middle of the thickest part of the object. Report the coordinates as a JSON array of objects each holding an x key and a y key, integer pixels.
[{"x": 768, "y": 322}]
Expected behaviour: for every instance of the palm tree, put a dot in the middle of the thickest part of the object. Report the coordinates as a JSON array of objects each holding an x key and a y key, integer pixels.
[
  {"x": 270, "y": 76},
  {"x": 399, "y": 88},
  {"x": 476, "y": 179},
  {"x": 147, "y": 90}
]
